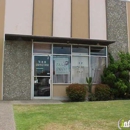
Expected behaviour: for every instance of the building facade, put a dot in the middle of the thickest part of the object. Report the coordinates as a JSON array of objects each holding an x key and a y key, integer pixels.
[{"x": 45, "y": 45}]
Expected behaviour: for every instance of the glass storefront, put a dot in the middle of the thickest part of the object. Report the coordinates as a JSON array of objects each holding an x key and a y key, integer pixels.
[{"x": 65, "y": 64}]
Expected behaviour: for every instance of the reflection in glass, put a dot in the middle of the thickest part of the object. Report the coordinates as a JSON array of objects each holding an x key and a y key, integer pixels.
[
  {"x": 79, "y": 69},
  {"x": 61, "y": 69},
  {"x": 100, "y": 51},
  {"x": 41, "y": 86},
  {"x": 61, "y": 49},
  {"x": 42, "y": 66},
  {"x": 41, "y": 48},
  {"x": 97, "y": 67},
  {"x": 80, "y": 49}
]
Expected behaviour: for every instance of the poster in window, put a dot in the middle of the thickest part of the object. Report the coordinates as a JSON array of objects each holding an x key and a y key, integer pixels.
[{"x": 62, "y": 66}]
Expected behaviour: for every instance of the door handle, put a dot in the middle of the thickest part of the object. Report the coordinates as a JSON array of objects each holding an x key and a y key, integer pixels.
[{"x": 49, "y": 81}]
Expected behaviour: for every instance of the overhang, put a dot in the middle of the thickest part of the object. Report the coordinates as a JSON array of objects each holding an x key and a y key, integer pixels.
[{"x": 17, "y": 37}]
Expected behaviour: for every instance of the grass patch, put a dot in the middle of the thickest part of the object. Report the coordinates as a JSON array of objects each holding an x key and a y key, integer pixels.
[{"x": 72, "y": 116}]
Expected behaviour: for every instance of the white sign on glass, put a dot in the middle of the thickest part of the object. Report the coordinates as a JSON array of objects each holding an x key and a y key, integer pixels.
[
  {"x": 61, "y": 66},
  {"x": 79, "y": 69}
]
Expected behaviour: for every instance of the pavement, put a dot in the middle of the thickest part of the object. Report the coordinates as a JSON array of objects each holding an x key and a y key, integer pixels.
[{"x": 7, "y": 115}]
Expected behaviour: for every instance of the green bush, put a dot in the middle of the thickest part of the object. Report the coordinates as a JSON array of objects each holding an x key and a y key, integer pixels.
[
  {"x": 121, "y": 86},
  {"x": 102, "y": 92},
  {"x": 116, "y": 75},
  {"x": 76, "y": 92},
  {"x": 91, "y": 97}
]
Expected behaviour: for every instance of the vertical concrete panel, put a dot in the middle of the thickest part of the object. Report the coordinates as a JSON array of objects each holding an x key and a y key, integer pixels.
[
  {"x": 80, "y": 18},
  {"x": 2, "y": 15},
  {"x": 62, "y": 18},
  {"x": 18, "y": 16},
  {"x": 117, "y": 26},
  {"x": 128, "y": 24},
  {"x": 42, "y": 21},
  {"x": 17, "y": 70},
  {"x": 98, "y": 19}
]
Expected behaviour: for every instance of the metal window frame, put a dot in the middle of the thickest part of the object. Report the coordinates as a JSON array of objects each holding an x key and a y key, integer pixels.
[{"x": 71, "y": 55}]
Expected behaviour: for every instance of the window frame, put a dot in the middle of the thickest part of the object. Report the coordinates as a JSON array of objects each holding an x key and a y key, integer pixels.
[
  {"x": 106, "y": 59},
  {"x": 86, "y": 56},
  {"x": 70, "y": 67},
  {"x": 71, "y": 55}
]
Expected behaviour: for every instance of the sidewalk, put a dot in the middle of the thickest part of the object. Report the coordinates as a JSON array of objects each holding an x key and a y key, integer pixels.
[
  {"x": 6, "y": 116},
  {"x": 6, "y": 111},
  {"x": 36, "y": 102}
]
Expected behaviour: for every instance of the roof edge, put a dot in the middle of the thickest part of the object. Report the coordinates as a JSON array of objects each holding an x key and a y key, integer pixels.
[{"x": 20, "y": 37}]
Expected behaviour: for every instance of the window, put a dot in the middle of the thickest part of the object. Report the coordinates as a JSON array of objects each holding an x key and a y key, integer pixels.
[
  {"x": 41, "y": 48},
  {"x": 61, "y": 69},
  {"x": 98, "y": 62},
  {"x": 98, "y": 51},
  {"x": 71, "y": 63},
  {"x": 61, "y": 49},
  {"x": 79, "y": 69},
  {"x": 97, "y": 66},
  {"x": 80, "y": 64},
  {"x": 41, "y": 66},
  {"x": 80, "y": 49}
]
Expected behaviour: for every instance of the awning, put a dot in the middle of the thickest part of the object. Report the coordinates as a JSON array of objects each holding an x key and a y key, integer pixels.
[{"x": 17, "y": 37}]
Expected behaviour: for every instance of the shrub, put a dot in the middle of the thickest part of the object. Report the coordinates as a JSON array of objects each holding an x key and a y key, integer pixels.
[
  {"x": 121, "y": 86},
  {"x": 102, "y": 92},
  {"x": 116, "y": 75},
  {"x": 76, "y": 92},
  {"x": 91, "y": 97}
]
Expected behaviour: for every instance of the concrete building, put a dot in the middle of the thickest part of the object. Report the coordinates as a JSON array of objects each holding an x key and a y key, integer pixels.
[{"x": 45, "y": 45}]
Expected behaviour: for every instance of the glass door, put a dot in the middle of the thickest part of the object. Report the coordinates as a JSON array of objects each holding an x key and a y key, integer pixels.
[{"x": 41, "y": 77}]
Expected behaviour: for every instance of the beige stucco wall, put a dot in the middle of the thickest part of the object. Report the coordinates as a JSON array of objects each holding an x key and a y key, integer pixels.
[
  {"x": 18, "y": 16},
  {"x": 97, "y": 11},
  {"x": 80, "y": 18},
  {"x": 2, "y": 13},
  {"x": 62, "y": 18},
  {"x": 42, "y": 20},
  {"x": 59, "y": 90}
]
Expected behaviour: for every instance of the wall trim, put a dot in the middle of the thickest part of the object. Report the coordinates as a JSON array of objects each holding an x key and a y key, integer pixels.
[{"x": 60, "y": 98}]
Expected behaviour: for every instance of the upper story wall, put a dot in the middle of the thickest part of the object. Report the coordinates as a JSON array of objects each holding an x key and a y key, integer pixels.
[
  {"x": 128, "y": 24},
  {"x": 80, "y": 19},
  {"x": 61, "y": 18},
  {"x": 18, "y": 16},
  {"x": 42, "y": 17},
  {"x": 97, "y": 19},
  {"x": 117, "y": 28}
]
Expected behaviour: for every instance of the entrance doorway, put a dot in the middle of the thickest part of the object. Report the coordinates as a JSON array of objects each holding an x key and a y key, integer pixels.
[{"x": 42, "y": 77}]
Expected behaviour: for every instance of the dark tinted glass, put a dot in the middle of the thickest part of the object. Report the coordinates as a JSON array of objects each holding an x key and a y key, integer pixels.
[
  {"x": 101, "y": 51},
  {"x": 61, "y": 49},
  {"x": 41, "y": 66},
  {"x": 41, "y": 86},
  {"x": 80, "y": 49}
]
